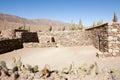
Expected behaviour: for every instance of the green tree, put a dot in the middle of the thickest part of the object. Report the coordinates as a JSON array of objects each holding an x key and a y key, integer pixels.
[
  {"x": 115, "y": 18},
  {"x": 80, "y": 25}
]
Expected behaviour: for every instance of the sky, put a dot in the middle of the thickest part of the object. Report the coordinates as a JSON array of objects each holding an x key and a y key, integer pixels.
[{"x": 88, "y": 11}]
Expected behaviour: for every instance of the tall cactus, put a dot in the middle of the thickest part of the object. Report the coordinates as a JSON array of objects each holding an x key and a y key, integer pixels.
[
  {"x": 19, "y": 63},
  {"x": 13, "y": 62}
]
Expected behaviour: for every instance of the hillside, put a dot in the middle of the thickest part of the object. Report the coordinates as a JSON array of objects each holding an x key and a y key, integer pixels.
[{"x": 12, "y": 21}]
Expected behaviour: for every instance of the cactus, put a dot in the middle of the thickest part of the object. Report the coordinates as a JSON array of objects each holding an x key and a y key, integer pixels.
[
  {"x": 114, "y": 71},
  {"x": 15, "y": 69},
  {"x": 82, "y": 73},
  {"x": 93, "y": 69},
  {"x": 74, "y": 68},
  {"x": 24, "y": 69},
  {"x": 46, "y": 71},
  {"x": 3, "y": 64},
  {"x": 14, "y": 62},
  {"x": 68, "y": 70},
  {"x": 35, "y": 68},
  {"x": 0, "y": 67},
  {"x": 19, "y": 63},
  {"x": 96, "y": 68},
  {"x": 16, "y": 75},
  {"x": 47, "y": 67},
  {"x": 65, "y": 70},
  {"x": 83, "y": 70},
  {"x": 29, "y": 68}
]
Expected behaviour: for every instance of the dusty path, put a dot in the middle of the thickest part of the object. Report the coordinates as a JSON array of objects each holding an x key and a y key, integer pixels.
[{"x": 58, "y": 58}]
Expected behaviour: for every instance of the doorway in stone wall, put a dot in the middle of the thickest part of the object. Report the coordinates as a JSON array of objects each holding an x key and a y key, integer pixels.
[
  {"x": 52, "y": 39},
  {"x": 99, "y": 42}
]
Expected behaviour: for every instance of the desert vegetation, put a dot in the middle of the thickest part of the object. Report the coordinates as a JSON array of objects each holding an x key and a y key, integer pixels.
[{"x": 20, "y": 71}]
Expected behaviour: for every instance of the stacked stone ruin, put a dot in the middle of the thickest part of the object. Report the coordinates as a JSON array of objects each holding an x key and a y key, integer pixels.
[{"x": 105, "y": 37}]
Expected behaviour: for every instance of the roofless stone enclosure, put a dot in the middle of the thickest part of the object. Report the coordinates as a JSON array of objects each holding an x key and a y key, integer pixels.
[{"x": 105, "y": 37}]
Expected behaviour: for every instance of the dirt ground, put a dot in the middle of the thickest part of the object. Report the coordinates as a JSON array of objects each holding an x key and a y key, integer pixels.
[{"x": 59, "y": 58}]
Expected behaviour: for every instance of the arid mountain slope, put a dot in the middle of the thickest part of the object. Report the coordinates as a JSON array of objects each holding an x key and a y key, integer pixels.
[{"x": 12, "y": 21}]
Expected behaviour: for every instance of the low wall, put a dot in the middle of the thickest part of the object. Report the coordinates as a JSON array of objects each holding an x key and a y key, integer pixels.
[{"x": 10, "y": 45}]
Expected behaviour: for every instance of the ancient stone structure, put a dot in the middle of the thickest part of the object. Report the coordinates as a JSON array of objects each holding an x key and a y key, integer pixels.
[
  {"x": 105, "y": 37},
  {"x": 61, "y": 39},
  {"x": 9, "y": 34},
  {"x": 7, "y": 45},
  {"x": 99, "y": 35}
]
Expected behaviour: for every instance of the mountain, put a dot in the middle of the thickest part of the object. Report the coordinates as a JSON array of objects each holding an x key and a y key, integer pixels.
[
  {"x": 12, "y": 18},
  {"x": 48, "y": 22},
  {"x": 15, "y": 22}
]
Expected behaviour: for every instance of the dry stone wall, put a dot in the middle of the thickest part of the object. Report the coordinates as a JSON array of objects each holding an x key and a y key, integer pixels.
[
  {"x": 99, "y": 35},
  {"x": 7, "y": 45},
  {"x": 106, "y": 37},
  {"x": 61, "y": 39},
  {"x": 114, "y": 38}
]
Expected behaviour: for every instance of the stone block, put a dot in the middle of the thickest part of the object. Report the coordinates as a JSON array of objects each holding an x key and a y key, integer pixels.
[
  {"x": 114, "y": 30},
  {"x": 117, "y": 50},
  {"x": 110, "y": 50},
  {"x": 110, "y": 38}
]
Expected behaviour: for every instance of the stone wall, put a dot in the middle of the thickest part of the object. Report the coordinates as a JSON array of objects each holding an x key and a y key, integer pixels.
[
  {"x": 99, "y": 35},
  {"x": 7, "y": 45},
  {"x": 106, "y": 37},
  {"x": 114, "y": 38},
  {"x": 61, "y": 39},
  {"x": 8, "y": 34},
  {"x": 29, "y": 37}
]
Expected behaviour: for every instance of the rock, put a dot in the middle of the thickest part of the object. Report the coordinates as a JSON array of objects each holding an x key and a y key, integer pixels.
[
  {"x": 110, "y": 50},
  {"x": 114, "y": 30},
  {"x": 110, "y": 38}
]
